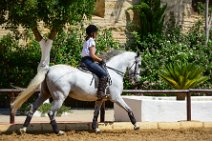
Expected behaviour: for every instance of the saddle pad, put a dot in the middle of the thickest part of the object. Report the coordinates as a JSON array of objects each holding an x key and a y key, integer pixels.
[
  {"x": 83, "y": 68},
  {"x": 94, "y": 79}
]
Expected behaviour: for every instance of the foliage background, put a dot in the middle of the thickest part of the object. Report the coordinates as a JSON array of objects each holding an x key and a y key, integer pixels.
[
  {"x": 166, "y": 45},
  {"x": 160, "y": 44},
  {"x": 18, "y": 63},
  {"x": 169, "y": 47},
  {"x": 54, "y": 13}
]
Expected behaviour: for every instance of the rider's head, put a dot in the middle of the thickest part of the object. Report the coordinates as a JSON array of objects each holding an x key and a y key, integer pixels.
[{"x": 91, "y": 31}]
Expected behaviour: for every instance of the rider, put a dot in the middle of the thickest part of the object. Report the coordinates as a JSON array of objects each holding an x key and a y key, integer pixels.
[{"x": 92, "y": 61}]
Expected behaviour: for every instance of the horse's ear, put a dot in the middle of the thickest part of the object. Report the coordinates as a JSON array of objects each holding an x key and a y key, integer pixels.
[
  {"x": 137, "y": 51},
  {"x": 138, "y": 54}
]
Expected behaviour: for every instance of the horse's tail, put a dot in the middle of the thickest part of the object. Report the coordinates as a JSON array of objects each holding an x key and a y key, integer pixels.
[{"x": 29, "y": 91}]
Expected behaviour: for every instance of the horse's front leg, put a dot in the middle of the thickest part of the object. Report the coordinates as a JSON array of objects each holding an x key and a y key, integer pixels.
[
  {"x": 123, "y": 105},
  {"x": 98, "y": 105}
]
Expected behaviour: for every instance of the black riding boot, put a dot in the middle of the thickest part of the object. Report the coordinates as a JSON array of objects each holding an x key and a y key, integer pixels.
[{"x": 102, "y": 87}]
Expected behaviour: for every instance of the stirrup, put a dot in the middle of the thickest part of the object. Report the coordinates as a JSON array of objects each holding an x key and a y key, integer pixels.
[{"x": 105, "y": 97}]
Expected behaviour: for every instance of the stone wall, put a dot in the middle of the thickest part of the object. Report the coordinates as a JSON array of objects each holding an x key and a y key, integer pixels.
[
  {"x": 184, "y": 13},
  {"x": 112, "y": 14},
  {"x": 115, "y": 16}
]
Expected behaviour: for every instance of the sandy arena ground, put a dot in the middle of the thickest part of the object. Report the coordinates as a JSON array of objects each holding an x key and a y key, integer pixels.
[{"x": 124, "y": 135}]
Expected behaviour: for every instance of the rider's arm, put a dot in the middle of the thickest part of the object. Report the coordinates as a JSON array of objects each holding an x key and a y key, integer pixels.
[{"x": 93, "y": 55}]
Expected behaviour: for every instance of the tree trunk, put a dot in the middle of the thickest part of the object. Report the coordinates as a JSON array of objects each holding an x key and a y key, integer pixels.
[
  {"x": 45, "y": 46},
  {"x": 45, "y": 49},
  {"x": 206, "y": 22},
  {"x": 53, "y": 34},
  {"x": 181, "y": 96},
  {"x": 37, "y": 34}
]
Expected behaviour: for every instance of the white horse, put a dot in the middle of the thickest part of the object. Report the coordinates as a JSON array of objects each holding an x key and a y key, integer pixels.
[{"x": 61, "y": 81}]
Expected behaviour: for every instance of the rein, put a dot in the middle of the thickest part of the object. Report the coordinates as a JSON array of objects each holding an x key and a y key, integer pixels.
[
  {"x": 122, "y": 73},
  {"x": 117, "y": 71}
]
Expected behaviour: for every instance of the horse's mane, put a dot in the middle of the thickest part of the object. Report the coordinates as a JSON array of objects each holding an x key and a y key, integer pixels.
[{"x": 108, "y": 55}]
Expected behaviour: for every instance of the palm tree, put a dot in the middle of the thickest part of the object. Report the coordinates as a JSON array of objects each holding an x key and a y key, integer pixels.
[{"x": 182, "y": 76}]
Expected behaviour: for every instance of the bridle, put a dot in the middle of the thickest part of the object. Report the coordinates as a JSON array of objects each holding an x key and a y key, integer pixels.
[{"x": 133, "y": 73}]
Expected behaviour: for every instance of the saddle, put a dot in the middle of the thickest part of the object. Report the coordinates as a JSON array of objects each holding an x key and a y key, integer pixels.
[
  {"x": 95, "y": 78},
  {"x": 83, "y": 67}
]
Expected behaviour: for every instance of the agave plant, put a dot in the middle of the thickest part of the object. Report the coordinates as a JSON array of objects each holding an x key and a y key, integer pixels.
[{"x": 182, "y": 76}]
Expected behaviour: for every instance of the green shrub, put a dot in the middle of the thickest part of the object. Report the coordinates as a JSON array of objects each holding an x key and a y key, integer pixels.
[
  {"x": 66, "y": 48},
  {"x": 44, "y": 109},
  {"x": 151, "y": 15},
  {"x": 153, "y": 59},
  {"x": 166, "y": 45},
  {"x": 106, "y": 42},
  {"x": 171, "y": 47},
  {"x": 68, "y": 45},
  {"x": 63, "y": 109},
  {"x": 18, "y": 63},
  {"x": 182, "y": 75},
  {"x": 24, "y": 109}
]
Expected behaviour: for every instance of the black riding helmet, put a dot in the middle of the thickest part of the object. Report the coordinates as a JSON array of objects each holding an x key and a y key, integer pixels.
[{"x": 91, "y": 29}]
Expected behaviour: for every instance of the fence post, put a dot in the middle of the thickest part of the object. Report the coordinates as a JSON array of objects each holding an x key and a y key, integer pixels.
[
  {"x": 12, "y": 115},
  {"x": 188, "y": 103},
  {"x": 102, "y": 112}
]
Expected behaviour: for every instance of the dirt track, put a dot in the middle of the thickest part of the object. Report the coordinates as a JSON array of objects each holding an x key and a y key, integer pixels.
[{"x": 124, "y": 135}]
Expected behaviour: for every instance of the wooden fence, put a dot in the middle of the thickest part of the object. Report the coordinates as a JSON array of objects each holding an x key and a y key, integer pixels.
[
  {"x": 12, "y": 93},
  {"x": 169, "y": 92}
]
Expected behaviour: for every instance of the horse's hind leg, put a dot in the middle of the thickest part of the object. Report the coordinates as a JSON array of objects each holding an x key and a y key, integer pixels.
[
  {"x": 123, "y": 105},
  {"x": 98, "y": 105},
  {"x": 43, "y": 96},
  {"x": 33, "y": 107},
  {"x": 56, "y": 104}
]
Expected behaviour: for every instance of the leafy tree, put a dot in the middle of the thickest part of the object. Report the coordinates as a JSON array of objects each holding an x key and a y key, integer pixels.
[
  {"x": 54, "y": 13},
  {"x": 3, "y": 9},
  {"x": 208, "y": 22},
  {"x": 18, "y": 63},
  {"x": 151, "y": 14},
  {"x": 182, "y": 76}
]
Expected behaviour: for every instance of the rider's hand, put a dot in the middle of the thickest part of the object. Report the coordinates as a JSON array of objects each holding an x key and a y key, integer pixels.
[{"x": 103, "y": 62}]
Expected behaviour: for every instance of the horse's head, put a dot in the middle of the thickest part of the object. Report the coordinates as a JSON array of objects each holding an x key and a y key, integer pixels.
[{"x": 134, "y": 69}]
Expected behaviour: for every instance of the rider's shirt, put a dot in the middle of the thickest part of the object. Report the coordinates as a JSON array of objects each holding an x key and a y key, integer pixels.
[{"x": 87, "y": 44}]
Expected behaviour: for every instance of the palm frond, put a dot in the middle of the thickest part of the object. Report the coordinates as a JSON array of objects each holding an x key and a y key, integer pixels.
[{"x": 182, "y": 75}]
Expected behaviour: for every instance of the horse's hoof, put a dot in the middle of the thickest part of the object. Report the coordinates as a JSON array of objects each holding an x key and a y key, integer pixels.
[
  {"x": 61, "y": 133},
  {"x": 136, "y": 127},
  {"x": 97, "y": 130},
  {"x": 94, "y": 125},
  {"x": 23, "y": 130}
]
